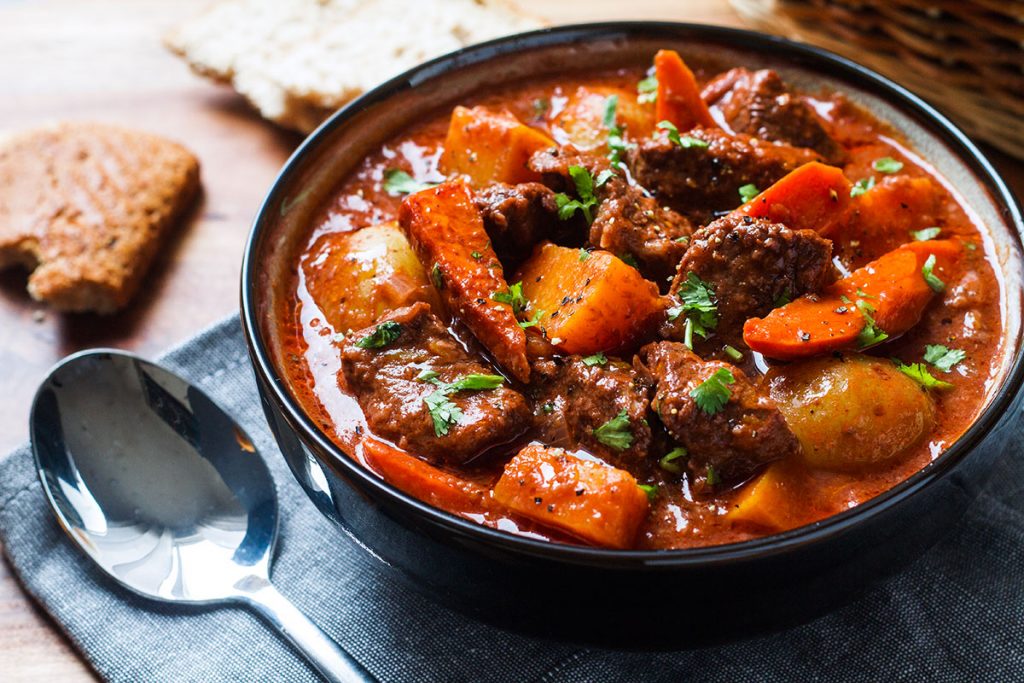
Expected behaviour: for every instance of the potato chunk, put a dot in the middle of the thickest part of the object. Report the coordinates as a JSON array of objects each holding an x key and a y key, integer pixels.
[
  {"x": 592, "y": 301},
  {"x": 581, "y": 122},
  {"x": 851, "y": 412},
  {"x": 356, "y": 277},
  {"x": 593, "y": 501},
  {"x": 491, "y": 146}
]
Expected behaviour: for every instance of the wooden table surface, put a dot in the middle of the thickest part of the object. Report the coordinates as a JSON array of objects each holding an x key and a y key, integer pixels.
[{"x": 103, "y": 60}]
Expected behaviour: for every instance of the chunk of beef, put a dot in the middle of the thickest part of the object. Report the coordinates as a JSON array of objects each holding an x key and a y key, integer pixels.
[
  {"x": 727, "y": 445},
  {"x": 627, "y": 222},
  {"x": 700, "y": 180},
  {"x": 385, "y": 382},
  {"x": 576, "y": 400},
  {"x": 517, "y": 217},
  {"x": 758, "y": 103},
  {"x": 753, "y": 265}
]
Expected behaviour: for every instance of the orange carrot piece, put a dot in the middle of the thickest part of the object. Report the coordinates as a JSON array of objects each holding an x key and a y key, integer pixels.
[
  {"x": 421, "y": 480},
  {"x": 590, "y": 500},
  {"x": 491, "y": 146},
  {"x": 446, "y": 230},
  {"x": 596, "y": 304},
  {"x": 893, "y": 285},
  {"x": 679, "y": 99},
  {"x": 812, "y": 197}
]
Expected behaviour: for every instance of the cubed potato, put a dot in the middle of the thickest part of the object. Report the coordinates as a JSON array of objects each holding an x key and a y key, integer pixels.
[
  {"x": 590, "y": 500},
  {"x": 491, "y": 146},
  {"x": 851, "y": 412},
  {"x": 591, "y": 301},
  {"x": 356, "y": 277},
  {"x": 581, "y": 121},
  {"x": 775, "y": 500}
]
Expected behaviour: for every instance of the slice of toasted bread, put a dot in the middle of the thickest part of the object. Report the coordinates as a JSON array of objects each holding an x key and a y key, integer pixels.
[
  {"x": 86, "y": 205},
  {"x": 297, "y": 61}
]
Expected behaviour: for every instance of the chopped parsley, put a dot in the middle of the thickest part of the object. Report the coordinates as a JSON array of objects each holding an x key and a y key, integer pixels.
[
  {"x": 887, "y": 165},
  {"x": 610, "y": 105},
  {"x": 597, "y": 359},
  {"x": 862, "y": 186},
  {"x": 382, "y": 335},
  {"x": 647, "y": 90},
  {"x": 871, "y": 334},
  {"x": 615, "y": 433},
  {"x": 650, "y": 489},
  {"x": 925, "y": 234},
  {"x": 697, "y": 301},
  {"x": 713, "y": 393},
  {"x": 712, "y": 476},
  {"x": 548, "y": 408},
  {"x": 668, "y": 463},
  {"x": 443, "y": 412},
  {"x": 532, "y": 322},
  {"x": 684, "y": 141},
  {"x": 541, "y": 106},
  {"x": 584, "y": 254},
  {"x": 513, "y": 296},
  {"x": 919, "y": 373},
  {"x": 436, "y": 276},
  {"x": 477, "y": 255},
  {"x": 931, "y": 278},
  {"x": 733, "y": 352},
  {"x": 629, "y": 260},
  {"x": 617, "y": 145},
  {"x": 943, "y": 358},
  {"x": 784, "y": 298},
  {"x": 748, "y": 192},
  {"x": 398, "y": 182},
  {"x": 584, "y": 182}
]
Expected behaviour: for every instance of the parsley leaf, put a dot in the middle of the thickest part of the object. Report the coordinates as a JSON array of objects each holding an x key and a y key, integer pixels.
[
  {"x": 436, "y": 276},
  {"x": 443, "y": 412},
  {"x": 584, "y": 254},
  {"x": 919, "y": 373},
  {"x": 475, "y": 382},
  {"x": 925, "y": 234},
  {"x": 733, "y": 352},
  {"x": 713, "y": 393},
  {"x": 862, "y": 186},
  {"x": 871, "y": 334},
  {"x": 567, "y": 207},
  {"x": 610, "y": 105},
  {"x": 931, "y": 278},
  {"x": 887, "y": 165},
  {"x": 697, "y": 300},
  {"x": 382, "y": 335},
  {"x": 650, "y": 489},
  {"x": 943, "y": 358},
  {"x": 398, "y": 182},
  {"x": 647, "y": 90},
  {"x": 535, "y": 320},
  {"x": 427, "y": 376},
  {"x": 667, "y": 461},
  {"x": 617, "y": 145},
  {"x": 712, "y": 476},
  {"x": 597, "y": 359},
  {"x": 685, "y": 141},
  {"x": 748, "y": 192},
  {"x": 513, "y": 296},
  {"x": 615, "y": 433},
  {"x": 541, "y": 106}
]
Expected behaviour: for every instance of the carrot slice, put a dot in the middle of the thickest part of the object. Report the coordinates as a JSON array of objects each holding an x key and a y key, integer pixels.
[
  {"x": 679, "y": 99},
  {"x": 424, "y": 481},
  {"x": 893, "y": 286},
  {"x": 812, "y": 197},
  {"x": 448, "y": 234},
  {"x": 591, "y": 500},
  {"x": 491, "y": 146}
]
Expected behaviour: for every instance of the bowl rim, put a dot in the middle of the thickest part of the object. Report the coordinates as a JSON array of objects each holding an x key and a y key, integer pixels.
[{"x": 810, "y": 57}]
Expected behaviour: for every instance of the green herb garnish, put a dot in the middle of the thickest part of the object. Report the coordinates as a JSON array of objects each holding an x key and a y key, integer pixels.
[
  {"x": 584, "y": 254},
  {"x": 713, "y": 393},
  {"x": 712, "y": 476},
  {"x": 733, "y": 352},
  {"x": 887, "y": 165},
  {"x": 398, "y": 182},
  {"x": 919, "y": 373},
  {"x": 748, "y": 192},
  {"x": 513, "y": 296},
  {"x": 685, "y": 141},
  {"x": 871, "y": 334},
  {"x": 943, "y": 358},
  {"x": 541, "y": 106},
  {"x": 443, "y": 412},
  {"x": 925, "y": 234},
  {"x": 534, "y": 321},
  {"x": 382, "y": 335},
  {"x": 697, "y": 301},
  {"x": 647, "y": 90},
  {"x": 931, "y": 278},
  {"x": 436, "y": 276},
  {"x": 667, "y": 461},
  {"x": 584, "y": 182},
  {"x": 650, "y": 489},
  {"x": 862, "y": 186},
  {"x": 597, "y": 359},
  {"x": 615, "y": 433}
]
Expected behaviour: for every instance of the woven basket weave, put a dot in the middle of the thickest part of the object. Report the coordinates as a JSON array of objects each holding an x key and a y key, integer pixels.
[{"x": 965, "y": 57}]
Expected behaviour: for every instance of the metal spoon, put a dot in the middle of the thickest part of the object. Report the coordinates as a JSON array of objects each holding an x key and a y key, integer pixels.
[{"x": 165, "y": 492}]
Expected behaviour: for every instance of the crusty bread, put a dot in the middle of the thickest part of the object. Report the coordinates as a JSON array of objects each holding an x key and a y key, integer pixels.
[
  {"x": 85, "y": 205},
  {"x": 297, "y": 61}
]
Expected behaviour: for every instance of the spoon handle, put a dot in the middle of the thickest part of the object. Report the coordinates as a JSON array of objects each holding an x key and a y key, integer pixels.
[{"x": 333, "y": 663}]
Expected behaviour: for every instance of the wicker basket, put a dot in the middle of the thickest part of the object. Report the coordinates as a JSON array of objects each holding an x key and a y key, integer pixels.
[{"x": 965, "y": 57}]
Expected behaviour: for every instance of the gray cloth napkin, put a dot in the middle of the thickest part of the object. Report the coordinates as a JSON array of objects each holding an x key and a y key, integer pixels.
[{"x": 956, "y": 614}]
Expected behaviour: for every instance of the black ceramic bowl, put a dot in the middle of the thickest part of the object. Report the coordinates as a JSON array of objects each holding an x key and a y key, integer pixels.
[{"x": 595, "y": 595}]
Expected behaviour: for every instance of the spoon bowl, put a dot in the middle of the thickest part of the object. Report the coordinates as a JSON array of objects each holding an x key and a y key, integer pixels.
[{"x": 165, "y": 492}]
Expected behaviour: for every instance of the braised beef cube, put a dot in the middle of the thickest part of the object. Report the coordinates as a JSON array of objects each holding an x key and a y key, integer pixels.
[
  {"x": 753, "y": 266},
  {"x": 701, "y": 179},
  {"x": 598, "y": 404},
  {"x": 517, "y": 217},
  {"x": 728, "y": 426},
  {"x": 627, "y": 221},
  {"x": 389, "y": 367},
  {"x": 758, "y": 103}
]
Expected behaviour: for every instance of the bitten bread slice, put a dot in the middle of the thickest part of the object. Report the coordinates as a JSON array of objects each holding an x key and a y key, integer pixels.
[
  {"x": 86, "y": 205},
  {"x": 297, "y": 61}
]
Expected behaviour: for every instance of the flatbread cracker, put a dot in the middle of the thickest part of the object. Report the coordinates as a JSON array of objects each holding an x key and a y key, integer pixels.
[
  {"x": 85, "y": 205},
  {"x": 297, "y": 61}
]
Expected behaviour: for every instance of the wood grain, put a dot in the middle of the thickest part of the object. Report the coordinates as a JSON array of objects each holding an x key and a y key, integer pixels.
[{"x": 103, "y": 60}]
